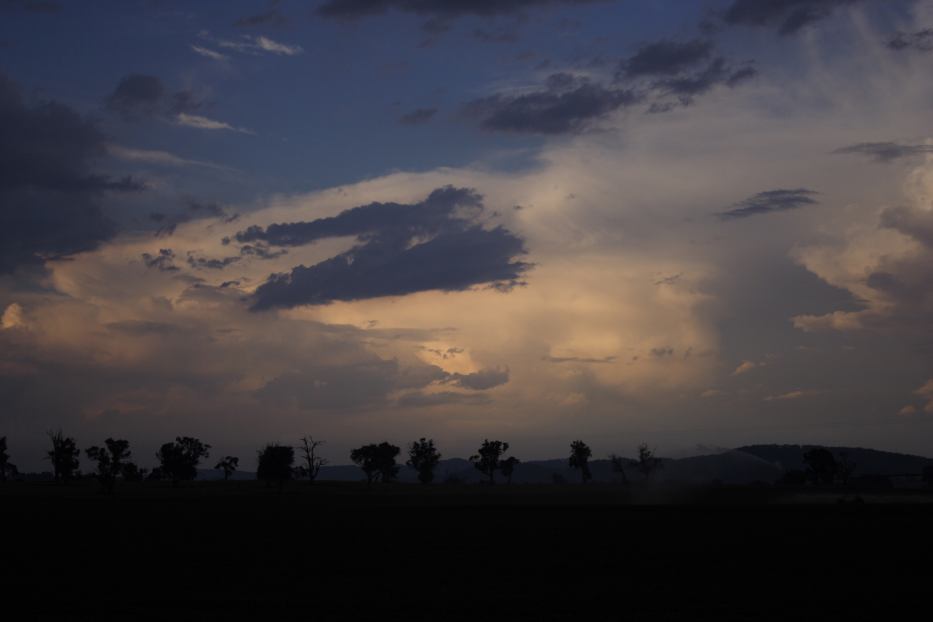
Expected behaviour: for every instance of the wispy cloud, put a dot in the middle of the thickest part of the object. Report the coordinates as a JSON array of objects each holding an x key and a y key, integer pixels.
[
  {"x": 214, "y": 55},
  {"x": 163, "y": 158},
  {"x": 745, "y": 367},
  {"x": 205, "y": 123},
  {"x": 253, "y": 44},
  {"x": 790, "y": 395}
]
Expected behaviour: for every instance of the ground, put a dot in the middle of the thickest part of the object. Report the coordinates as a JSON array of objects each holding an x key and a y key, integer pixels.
[{"x": 216, "y": 550}]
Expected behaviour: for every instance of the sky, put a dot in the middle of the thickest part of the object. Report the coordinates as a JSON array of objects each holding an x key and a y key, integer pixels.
[{"x": 697, "y": 224}]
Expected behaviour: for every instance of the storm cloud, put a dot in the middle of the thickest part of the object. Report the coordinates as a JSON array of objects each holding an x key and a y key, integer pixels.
[
  {"x": 566, "y": 105},
  {"x": 769, "y": 202},
  {"x": 666, "y": 58},
  {"x": 49, "y": 193},
  {"x": 437, "y": 244}
]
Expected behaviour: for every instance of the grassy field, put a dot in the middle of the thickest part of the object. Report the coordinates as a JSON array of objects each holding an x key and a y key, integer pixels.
[{"x": 339, "y": 551}]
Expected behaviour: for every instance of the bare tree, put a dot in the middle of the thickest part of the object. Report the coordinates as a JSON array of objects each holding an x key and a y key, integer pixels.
[
  {"x": 618, "y": 466},
  {"x": 579, "y": 459},
  {"x": 314, "y": 462},
  {"x": 648, "y": 463}
]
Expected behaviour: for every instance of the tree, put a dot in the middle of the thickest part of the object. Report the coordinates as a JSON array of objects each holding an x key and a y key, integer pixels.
[
  {"x": 579, "y": 459},
  {"x": 648, "y": 463},
  {"x": 488, "y": 460},
  {"x": 228, "y": 465},
  {"x": 507, "y": 467},
  {"x": 179, "y": 460},
  {"x": 844, "y": 468},
  {"x": 377, "y": 461},
  {"x": 618, "y": 467},
  {"x": 313, "y": 462},
  {"x": 275, "y": 464},
  {"x": 423, "y": 457},
  {"x": 64, "y": 456},
  {"x": 132, "y": 473},
  {"x": 6, "y": 467},
  {"x": 821, "y": 465},
  {"x": 110, "y": 459}
]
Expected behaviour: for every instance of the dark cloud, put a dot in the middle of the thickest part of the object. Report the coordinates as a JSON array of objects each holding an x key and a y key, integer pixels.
[
  {"x": 49, "y": 196},
  {"x": 921, "y": 40},
  {"x": 142, "y": 328},
  {"x": 136, "y": 95},
  {"x": 139, "y": 96},
  {"x": 163, "y": 262},
  {"x": 261, "y": 251},
  {"x": 437, "y": 244},
  {"x": 566, "y": 105},
  {"x": 663, "y": 352},
  {"x": 418, "y": 117},
  {"x": 499, "y": 35},
  {"x": 786, "y": 16},
  {"x": 480, "y": 380},
  {"x": 769, "y": 202},
  {"x": 272, "y": 17},
  {"x": 354, "y": 9},
  {"x": 687, "y": 87},
  {"x": 886, "y": 151},
  {"x": 419, "y": 399},
  {"x": 911, "y": 222},
  {"x": 666, "y": 58},
  {"x": 200, "y": 263}
]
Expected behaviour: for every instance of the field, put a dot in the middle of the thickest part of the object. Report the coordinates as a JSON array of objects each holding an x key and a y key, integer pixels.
[{"x": 340, "y": 551}]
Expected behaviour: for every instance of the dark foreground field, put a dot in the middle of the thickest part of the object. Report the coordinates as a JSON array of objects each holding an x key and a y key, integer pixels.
[{"x": 211, "y": 551}]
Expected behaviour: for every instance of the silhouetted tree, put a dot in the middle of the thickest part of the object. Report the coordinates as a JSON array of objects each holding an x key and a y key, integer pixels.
[
  {"x": 64, "y": 456},
  {"x": 313, "y": 462},
  {"x": 579, "y": 459},
  {"x": 110, "y": 461},
  {"x": 132, "y": 473},
  {"x": 423, "y": 457},
  {"x": 275, "y": 464},
  {"x": 618, "y": 466},
  {"x": 507, "y": 467},
  {"x": 489, "y": 458},
  {"x": 821, "y": 465},
  {"x": 377, "y": 461},
  {"x": 844, "y": 468},
  {"x": 179, "y": 460},
  {"x": 648, "y": 463},
  {"x": 6, "y": 467},
  {"x": 228, "y": 465}
]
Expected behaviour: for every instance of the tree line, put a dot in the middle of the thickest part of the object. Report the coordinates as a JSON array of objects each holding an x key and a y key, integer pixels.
[{"x": 179, "y": 461}]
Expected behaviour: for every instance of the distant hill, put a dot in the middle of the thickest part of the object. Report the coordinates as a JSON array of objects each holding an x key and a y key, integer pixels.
[
  {"x": 867, "y": 461},
  {"x": 745, "y": 465}
]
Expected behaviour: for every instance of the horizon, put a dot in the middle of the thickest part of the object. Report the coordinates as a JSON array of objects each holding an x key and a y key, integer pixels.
[{"x": 689, "y": 224}]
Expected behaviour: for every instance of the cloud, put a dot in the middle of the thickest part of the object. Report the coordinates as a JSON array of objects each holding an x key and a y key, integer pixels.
[
  {"x": 12, "y": 316},
  {"x": 209, "y": 53},
  {"x": 886, "y": 151},
  {"x": 164, "y": 261},
  {"x": 769, "y": 202},
  {"x": 49, "y": 194},
  {"x": 420, "y": 399},
  {"x": 790, "y": 395},
  {"x": 164, "y": 158},
  {"x": 418, "y": 117},
  {"x": 786, "y": 16},
  {"x": 566, "y": 105},
  {"x": 254, "y": 44},
  {"x": 921, "y": 41},
  {"x": 745, "y": 367},
  {"x": 480, "y": 380},
  {"x": 204, "y": 123},
  {"x": 579, "y": 359},
  {"x": 32, "y": 6},
  {"x": 926, "y": 392},
  {"x": 437, "y": 244},
  {"x": 718, "y": 72},
  {"x": 136, "y": 95},
  {"x": 355, "y": 9},
  {"x": 666, "y": 58},
  {"x": 272, "y": 17}
]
